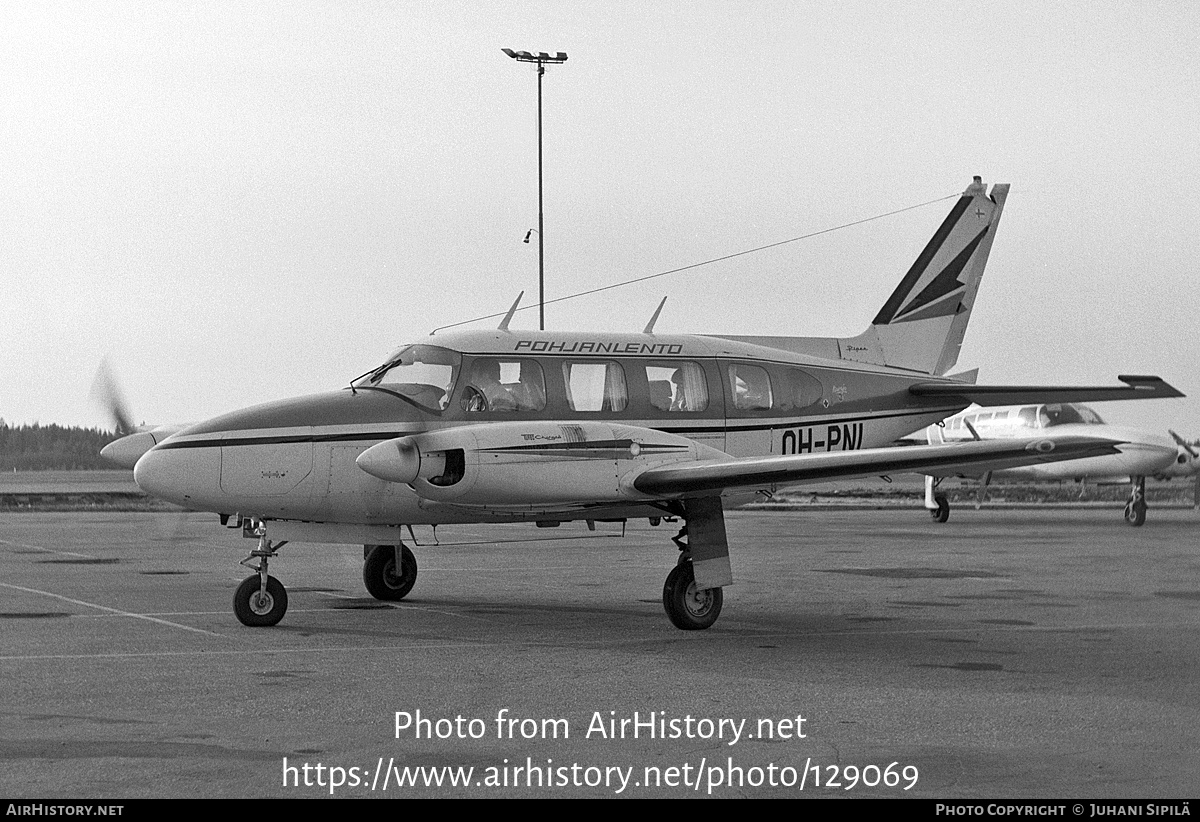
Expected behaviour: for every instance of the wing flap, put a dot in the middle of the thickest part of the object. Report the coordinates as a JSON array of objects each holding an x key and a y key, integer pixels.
[
  {"x": 1135, "y": 388},
  {"x": 796, "y": 469}
]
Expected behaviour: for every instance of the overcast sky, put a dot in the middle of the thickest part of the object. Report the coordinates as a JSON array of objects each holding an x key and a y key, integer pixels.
[{"x": 237, "y": 202}]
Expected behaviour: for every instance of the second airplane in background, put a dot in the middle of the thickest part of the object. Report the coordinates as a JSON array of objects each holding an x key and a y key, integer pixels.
[{"x": 1141, "y": 453}]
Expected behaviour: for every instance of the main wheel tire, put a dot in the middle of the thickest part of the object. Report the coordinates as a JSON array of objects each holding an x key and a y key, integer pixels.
[
  {"x": 942, "y": 512},
  {"x": 257, "y": 608},
  {"x": 382, "y": 579},
  {"x": 689, "y": 608},
  {"x": 1135, "y": 514}
]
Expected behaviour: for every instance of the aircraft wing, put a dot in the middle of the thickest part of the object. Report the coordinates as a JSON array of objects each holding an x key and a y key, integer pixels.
[
  {"x": 796, "y": 469},
  {"x": 1135, "y": 388}
]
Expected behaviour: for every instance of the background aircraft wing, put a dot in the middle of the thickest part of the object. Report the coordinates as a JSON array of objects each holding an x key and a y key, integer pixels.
[
  {"x": 795, "y": 469},
  {"x": 1135, "y": 388}
]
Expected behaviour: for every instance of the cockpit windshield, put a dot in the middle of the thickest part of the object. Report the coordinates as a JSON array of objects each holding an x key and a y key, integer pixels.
[
  {"x": 424, "y": 374},
  {"x": 1067, "y": 413}
]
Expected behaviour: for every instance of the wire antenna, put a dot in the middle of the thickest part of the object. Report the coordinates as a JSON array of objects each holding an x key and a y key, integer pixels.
[{"x": 707, "y": 262}]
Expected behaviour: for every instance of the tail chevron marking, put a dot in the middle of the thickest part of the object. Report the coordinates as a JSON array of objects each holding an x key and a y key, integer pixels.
[
  {"x": 943, "y": 285},
  {"x": 921, "y": 326}
]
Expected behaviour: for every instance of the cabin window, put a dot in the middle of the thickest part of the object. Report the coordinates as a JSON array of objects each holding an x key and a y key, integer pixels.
[
  {"x": 595, "y": 386},
  {"x": 795, "y": 389},
  {"x": 750, "y": 387},
  {"x": 677, "y": 386},
  {"x": 499, "y": 384},
  {"x": 1028, "y": 416}
]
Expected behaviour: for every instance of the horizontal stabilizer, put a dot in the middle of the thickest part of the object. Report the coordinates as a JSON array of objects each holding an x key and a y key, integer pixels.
[
  {"x": 795, "y": 469},
  {"x": 1135, "y": 388}
]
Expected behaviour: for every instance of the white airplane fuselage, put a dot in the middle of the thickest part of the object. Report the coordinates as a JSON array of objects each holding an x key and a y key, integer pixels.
[
  {"x": 299, "y": 459},
  {"x": 1140, "y": 454}
]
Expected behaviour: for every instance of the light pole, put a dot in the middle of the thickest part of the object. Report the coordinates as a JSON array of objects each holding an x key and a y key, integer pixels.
[{"x": 541, "y": 58}]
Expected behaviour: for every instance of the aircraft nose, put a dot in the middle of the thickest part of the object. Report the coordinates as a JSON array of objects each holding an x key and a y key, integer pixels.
[{"x": 1144, "y": 453}]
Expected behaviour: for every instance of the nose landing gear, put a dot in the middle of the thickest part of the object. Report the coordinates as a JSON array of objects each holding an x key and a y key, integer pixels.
[
  {"x": 1135, "y": 509},
  {"x": 261, "y": 600}
]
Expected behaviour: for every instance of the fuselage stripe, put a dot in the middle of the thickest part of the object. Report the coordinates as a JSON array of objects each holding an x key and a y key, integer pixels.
[{"x": 718, "y": 427}]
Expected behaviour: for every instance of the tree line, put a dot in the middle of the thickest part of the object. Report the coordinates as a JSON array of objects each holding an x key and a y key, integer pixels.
[{"x": 52, "y": 447}]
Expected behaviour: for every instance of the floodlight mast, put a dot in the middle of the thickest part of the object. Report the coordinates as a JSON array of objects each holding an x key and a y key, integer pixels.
[{"x": 542, "y": 59}]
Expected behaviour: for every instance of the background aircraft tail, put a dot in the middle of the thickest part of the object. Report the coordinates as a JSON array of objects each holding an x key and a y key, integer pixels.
[{"x": 921, "y": 326}]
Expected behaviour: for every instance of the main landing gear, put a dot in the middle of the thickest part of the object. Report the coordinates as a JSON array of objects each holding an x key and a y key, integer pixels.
[
  {"x": 1135, "y": 509},
  {"x": 692, "y": 594},
  {"x": 937, "y": 504},
  {"x": 689, "y": 608},
  {"x": 389, "y": 572},
  {"x": 261, "y": 600}
]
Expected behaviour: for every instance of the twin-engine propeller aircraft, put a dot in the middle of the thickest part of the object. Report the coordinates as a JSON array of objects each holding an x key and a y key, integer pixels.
[
  {"x": 1140, "y": 454},
  {"x": 548, "y": 427}
]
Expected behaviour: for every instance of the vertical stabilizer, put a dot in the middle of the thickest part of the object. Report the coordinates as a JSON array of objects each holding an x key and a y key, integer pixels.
[{"x": 921, "y": 326}]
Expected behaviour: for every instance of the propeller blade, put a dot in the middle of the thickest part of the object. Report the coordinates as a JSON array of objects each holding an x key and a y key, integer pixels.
[
  {"x": 1184, "y": 444},
  {"x": 107, "y": 393}
]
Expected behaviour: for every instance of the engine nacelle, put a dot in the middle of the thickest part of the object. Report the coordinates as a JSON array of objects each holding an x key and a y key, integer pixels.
[{"x": 529, "y": 463}]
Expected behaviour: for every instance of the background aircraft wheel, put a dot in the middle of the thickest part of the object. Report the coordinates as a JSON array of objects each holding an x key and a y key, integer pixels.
[
  {"x": 1135, "y": 514},
  {"x": 689, "y": 608},
  {"x": 381, "y": 577},
  {"x": 256, "y": 608},
  {"x": 942, "y": 512}
]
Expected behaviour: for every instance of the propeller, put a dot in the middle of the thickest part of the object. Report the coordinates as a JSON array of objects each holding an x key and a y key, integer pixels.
[
  {"x": 107, "y": 393},
  {"x": 1184, "y": 444}
]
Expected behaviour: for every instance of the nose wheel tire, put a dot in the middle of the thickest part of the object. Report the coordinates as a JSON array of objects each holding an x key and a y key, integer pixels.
[
  {"x": 688, "y": 607},
  {"x": 382, "y": 578},
  {"x": 1135, "y": 514},
  {"x": 258, "y": 608}
]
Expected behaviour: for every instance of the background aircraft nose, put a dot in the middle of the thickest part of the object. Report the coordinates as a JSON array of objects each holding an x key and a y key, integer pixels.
[{"x": 1144, "y": 453}]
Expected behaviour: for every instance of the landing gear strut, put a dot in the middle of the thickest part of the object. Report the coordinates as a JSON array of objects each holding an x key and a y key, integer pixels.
[
  {"x": 261, "y": 600},
  {"x": 1135, "y": 509},
  {"x": 389, "y": 572}
]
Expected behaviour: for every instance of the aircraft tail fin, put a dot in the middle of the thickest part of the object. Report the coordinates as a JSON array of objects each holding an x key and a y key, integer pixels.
[{"x": 921, "y": 326}]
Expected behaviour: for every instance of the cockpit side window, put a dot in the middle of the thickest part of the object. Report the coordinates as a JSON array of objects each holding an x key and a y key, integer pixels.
[
  {"x": 1027, "y": 417},
  {"x": 501, "y": 385},
  {"x": 1065, "y": 414}
]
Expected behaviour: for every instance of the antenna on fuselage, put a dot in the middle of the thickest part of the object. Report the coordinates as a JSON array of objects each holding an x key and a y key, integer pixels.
[
  {"x": 508, "y": 317},
  {"x": 654, "y": 319}
]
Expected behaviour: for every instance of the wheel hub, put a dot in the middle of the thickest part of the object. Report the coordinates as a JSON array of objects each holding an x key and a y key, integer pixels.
[
  {"x": 698, "y": 601},
  {"x": 261, "y": 603}
]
